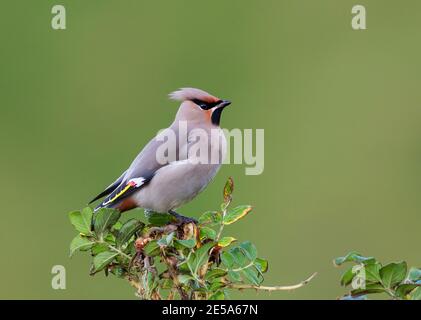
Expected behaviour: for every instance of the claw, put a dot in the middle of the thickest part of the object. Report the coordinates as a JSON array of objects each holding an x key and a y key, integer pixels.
[{"x": 182, "y": 219}]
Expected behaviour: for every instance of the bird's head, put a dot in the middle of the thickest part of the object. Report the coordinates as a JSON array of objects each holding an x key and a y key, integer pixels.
[{"x": 198, "y": 105}]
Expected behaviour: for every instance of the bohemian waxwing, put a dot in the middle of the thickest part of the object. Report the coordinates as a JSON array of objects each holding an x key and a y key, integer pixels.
[{"x": 163, "y": 186}]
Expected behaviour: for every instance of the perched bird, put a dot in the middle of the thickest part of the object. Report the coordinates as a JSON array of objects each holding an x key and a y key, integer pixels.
[{"x": 155, "y": 186}]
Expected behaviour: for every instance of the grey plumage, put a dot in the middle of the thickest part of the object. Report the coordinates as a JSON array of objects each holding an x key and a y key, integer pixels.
[{"x": 163, "y": 187}]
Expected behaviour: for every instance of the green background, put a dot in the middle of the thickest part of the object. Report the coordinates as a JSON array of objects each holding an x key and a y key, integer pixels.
[{"x": 340, "y": 109}]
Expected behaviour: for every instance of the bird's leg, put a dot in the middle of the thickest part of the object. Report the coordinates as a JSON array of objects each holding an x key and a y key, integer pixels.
[{"x": 182, "y": 219}]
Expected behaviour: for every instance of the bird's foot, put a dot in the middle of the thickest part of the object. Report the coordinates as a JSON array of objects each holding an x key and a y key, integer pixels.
[{"x": 182, "y": 219}]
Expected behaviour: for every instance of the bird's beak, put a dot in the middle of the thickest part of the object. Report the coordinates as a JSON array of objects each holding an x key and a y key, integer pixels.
[{"x": 224, "y": 103}]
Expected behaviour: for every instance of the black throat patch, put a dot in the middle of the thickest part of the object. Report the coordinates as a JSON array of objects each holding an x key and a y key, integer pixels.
[{"x": 216, "y": 116}]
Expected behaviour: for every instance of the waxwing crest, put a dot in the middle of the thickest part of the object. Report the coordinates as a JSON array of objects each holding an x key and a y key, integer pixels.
[{"x": 184, "y": 94}]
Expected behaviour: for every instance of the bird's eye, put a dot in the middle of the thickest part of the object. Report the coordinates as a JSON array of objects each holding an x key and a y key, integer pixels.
[{"x": 202, "y": 104}]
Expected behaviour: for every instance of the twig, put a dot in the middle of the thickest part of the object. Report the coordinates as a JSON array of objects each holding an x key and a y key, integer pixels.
[
  {"x": 243, "y": 268},
  {"x": 221, "y": 228},
  {"x": 133, "y": 283},
  {"x": 173, "y": 274},
  {"x": 272, "y": 288},
  {"x": 118, "y": 251}
]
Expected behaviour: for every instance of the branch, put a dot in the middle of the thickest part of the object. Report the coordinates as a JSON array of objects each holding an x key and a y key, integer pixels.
[
  {"x": 121, "y": 253},
  {"x": 134, "y": 284},
  {"x": 174, "y": 276},
  {"x": 273, "y": 288}
]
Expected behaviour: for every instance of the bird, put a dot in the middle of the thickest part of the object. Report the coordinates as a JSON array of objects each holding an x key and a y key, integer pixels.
[{"x": 162, "y": 187}]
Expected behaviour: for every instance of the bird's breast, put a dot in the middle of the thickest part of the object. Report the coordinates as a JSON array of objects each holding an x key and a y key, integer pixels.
[{"x": 206, "y": 146}]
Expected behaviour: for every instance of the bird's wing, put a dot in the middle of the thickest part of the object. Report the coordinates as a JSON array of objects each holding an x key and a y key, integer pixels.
[
  {"x": 110, "y": 188},
  {"x": 140, "y": 172},
  {"x": 123, "y": 191}
]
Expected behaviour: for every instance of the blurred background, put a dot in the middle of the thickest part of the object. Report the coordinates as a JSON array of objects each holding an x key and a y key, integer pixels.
[{"x": 340, "y": 109}]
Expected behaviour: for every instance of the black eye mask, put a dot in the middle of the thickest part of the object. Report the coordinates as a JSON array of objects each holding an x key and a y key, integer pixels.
[{"x": 206, "y": 105}]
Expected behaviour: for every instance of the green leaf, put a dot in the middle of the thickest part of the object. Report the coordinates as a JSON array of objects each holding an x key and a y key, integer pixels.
[
  {"x": 127, "y": 231},
  {"x": 372, "y": 272},
  {"x": 210, "y": 217},
  {"x": 353, "y": 257},
  {"x": 118, "y": 272},
  {"x": 251, "y": 275},
  {"x": 261, "y": 264},
  {"x": 216, "y": 285},
  {"x": 188, "y": 243},
  {"x": 167, "y": 284},
  {"x": 226, "y": 241},
  {"x": 80, "y": 243},
  {"x": 103, "y": 259},
  {"x": 105, "y": 219},
  {"x": 228, "y": 190},
  {"x": 347, "y": 277},
  {"x": 151, "y": 282},
  {"x": 160, "y": 219},
  {"x": 227, "y": 259},
  {"x": 152, "y": 248},
  {"x": 236, "y": 214},
  {"x": 82, "y": 220},
  {"x": 239, "y": 257},
  {"x": 393, "y": 273},
  {"x": 183, "y": 266},
  {"x": 117, "y": 226},
  {"x": 404, "y": 289},
  {"x": 200, "y": 257},
  {"x": 202, "y": 254},
  {"x": 110, "y": 238},
  {"x": 217, "y": 296},
  {"x": 416, "y": 294},
  {"x": 369, "y": 288},
  {"x": 184, "y": 278},
  {"x": 249, "y": 250},
  {"x": 215, "y": 273},
  {"x": 166, "y": 241},
  {"x": 98, "y": 248},
  {"x": 234, "y": 276},
  {"x": 207, "y": 233},
  {"x": 130, "y": 248}
]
